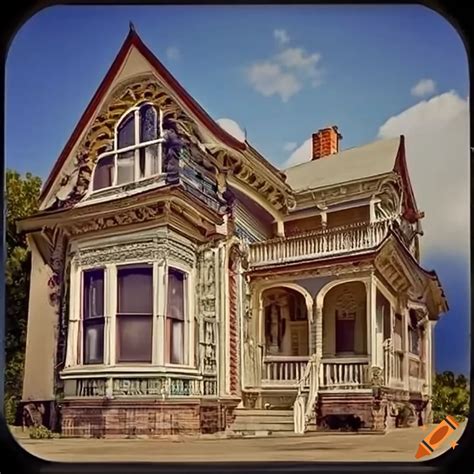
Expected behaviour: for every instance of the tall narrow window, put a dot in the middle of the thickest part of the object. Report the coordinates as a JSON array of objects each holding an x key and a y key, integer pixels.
[
  {"x": 93, "y": 316},
  {"x": 413, "y": 334},
  {"x": 345, "y": 326},
  {"x": 134, "y": 313},
  {"x": 175, "y": 317}
]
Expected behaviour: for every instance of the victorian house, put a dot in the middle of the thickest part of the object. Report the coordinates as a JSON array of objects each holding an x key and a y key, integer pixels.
[{"x": 181, "y": 283}]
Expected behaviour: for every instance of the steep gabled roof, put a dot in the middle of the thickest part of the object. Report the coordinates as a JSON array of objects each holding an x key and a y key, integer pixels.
[
  {"x": 374, "y": 159},
  {"x": 134, "y": 41},
  {"x": 353, "y": 164}
]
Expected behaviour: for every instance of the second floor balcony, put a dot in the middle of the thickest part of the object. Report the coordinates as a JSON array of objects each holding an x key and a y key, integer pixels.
[{"x": 324, "y": 243}]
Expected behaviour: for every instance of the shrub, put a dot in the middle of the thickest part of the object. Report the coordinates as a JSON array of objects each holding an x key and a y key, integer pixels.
[
  {"x": 40, "y": 432},
  {"x": 450, "y": 397}
]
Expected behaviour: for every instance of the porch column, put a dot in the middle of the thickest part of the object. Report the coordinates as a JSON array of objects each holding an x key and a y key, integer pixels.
[
  {"x": 405, "y": 368},
  {"x": 371, "y": 321},
  {"x": 429, "y": 355},
  {"x": 318, "y": 332},
  {"x": 260, "y": 340}
]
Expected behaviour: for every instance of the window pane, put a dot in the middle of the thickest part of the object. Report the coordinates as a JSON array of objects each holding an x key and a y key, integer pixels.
[
  {"x": 134, "y": 338},
  {"x": 104, "y": 172},
  {"x": 175, "y": 300},
  {"x": 148, "y": 123},
  {"x": 175, "y": 341},
  {"x": 93, "y": 302},
  {"x": 135, "y": 290},
  {"x": 149, "y": 154},
  {"x": 126, "y": 131},
  {"x": 126, "y": 167},
  {"x": 94, "y": 341}
]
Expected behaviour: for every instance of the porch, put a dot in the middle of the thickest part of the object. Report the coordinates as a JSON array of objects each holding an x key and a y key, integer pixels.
[{"x": 362, "y": 338}]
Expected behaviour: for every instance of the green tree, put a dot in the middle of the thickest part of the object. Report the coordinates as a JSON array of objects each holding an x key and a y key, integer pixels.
[
  {"x": 450, "y": 396},
  {"x": 21, "y": 201}
]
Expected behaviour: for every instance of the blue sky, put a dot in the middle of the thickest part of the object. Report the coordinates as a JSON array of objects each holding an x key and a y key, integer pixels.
[{"x": 280, "y": 72}]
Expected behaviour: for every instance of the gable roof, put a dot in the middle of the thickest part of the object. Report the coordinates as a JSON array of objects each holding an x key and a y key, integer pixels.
[
  {"x": 134, "y": 41},
  {"x": 361, "y": 162}
]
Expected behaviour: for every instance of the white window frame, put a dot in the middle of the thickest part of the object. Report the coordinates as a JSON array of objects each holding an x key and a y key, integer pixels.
[
  {"x": 75, "y": 341},
  {"x": 136, "y": 148}
]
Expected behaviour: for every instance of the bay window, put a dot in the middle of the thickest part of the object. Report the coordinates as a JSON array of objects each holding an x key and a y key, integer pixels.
[
  {"x": 122, "y": 307},
  {"x": 137, "y": 152}
]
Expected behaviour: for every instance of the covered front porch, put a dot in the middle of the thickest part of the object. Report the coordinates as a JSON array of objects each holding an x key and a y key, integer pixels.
[{"x": 359, "y": 333}]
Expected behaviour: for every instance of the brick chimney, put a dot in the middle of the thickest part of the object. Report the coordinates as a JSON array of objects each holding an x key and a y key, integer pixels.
[{"x": 326, "y": 142}]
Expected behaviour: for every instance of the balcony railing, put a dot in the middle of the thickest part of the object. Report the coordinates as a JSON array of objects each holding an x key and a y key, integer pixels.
[{"x": 324, "y": 243}]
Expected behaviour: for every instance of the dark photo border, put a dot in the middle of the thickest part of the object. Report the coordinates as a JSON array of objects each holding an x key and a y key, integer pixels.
[{"x": 13, "y": 458}]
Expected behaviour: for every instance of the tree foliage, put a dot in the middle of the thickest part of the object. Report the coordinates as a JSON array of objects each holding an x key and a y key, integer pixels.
[
  {"x": 450, "y": 396},
  {"x": 21, "y": 201}
]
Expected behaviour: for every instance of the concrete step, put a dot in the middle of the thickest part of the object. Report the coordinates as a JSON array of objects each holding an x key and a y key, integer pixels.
[
  {"x": 256, "y": 412},
  {"x": 264, "y": 419},
  {"x": 239, "y": 427}
]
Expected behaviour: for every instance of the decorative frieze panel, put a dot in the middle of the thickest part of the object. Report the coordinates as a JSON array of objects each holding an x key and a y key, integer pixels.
[
  {"x": 206, "y": 311},
  {"x": 91, "y": 387},
  {"x": 163, "y": 387},
  {"x": 153, "y": 250}
]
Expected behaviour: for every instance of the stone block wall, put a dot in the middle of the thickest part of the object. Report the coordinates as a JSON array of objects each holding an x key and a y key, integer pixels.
[{"x": 130, "y": 418}]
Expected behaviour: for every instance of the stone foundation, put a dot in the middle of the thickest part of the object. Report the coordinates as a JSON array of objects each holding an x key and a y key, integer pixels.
[
  {"x": 350, "y": 406},
  {"x": 129, "y": 418}
]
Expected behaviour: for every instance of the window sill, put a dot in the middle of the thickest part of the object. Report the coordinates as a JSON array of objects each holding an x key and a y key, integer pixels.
[
  {"x": 124, "y": 190},
  {"x": 126, "y": 370}
]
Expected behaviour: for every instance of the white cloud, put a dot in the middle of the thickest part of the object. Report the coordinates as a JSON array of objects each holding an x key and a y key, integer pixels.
[
  {"x": 290, "y": 146},
  {"x": 281, "y": 36},
  {"x": 173, "y": 53},
  {"x": 269, "y": 78},
  {"x": 286, "y": 73},
  {"x": 437, "y": 146},
  {"x": 302, "y": 154},
  {"x": 424, "y": 88},
  {"x": 232, "y": 127}
]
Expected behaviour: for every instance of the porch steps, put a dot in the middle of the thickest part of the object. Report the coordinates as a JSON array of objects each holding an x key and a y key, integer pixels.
[{"x": 250, "y": 422}]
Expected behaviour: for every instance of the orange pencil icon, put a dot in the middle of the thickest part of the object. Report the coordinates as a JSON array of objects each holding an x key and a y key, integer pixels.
[{"x": 436, "y": 437}]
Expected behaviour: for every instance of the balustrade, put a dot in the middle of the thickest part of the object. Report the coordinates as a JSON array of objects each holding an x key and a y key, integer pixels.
[
  {"x": 342, "y": 373},
  {"x": 317, "y": 244},
  {"x": 283, "y": 369}
]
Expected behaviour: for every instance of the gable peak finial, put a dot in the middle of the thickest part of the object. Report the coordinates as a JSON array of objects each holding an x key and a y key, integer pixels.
[{"x": 131, "y": 26}]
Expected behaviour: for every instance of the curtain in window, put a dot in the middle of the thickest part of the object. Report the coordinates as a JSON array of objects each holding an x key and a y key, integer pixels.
[
  {"x": 148, "y": 123},
  {"x": 345, "y": 331},
  {"x": 126, "y": 131},
  {"x": 126, "y": 167},
  {"x": 103, "y": 175},
  {"x": 175, "y": 317},
  {"x": 134, "y": 313},
  {"x": 93, "y": 316}
]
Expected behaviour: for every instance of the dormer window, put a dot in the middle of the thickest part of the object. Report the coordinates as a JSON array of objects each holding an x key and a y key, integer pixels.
[{"x": 137, "y": 152}]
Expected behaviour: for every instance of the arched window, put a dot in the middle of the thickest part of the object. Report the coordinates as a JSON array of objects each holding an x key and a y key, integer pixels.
[{"x": 137, "y": 152}]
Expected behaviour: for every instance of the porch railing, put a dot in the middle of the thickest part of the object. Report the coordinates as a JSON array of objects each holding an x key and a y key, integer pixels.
[
  {"x": 283, "y": 369},
  {"x": 344, "y": 373},
  {"x": 310, "y": 245},
  {"x": 308, "y": 388}
]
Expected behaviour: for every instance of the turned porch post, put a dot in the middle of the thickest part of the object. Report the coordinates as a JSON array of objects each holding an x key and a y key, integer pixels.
[{"x": 371, "y": 320}]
